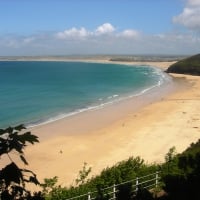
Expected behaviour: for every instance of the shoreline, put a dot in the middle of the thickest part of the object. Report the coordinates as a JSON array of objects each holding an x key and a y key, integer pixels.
[
  {"x": 107, "y": 114},
  {"x": 165, "y": 83},
  {"x": 95, "y": 105},
  {"x": 93, "y": 59},
  {"x": 153, "y": 94},
  {"x": 106, "y": 136}
]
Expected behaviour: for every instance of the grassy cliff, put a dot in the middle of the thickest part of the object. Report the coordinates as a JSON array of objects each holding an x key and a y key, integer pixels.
[{"x": 189, "y": 65}]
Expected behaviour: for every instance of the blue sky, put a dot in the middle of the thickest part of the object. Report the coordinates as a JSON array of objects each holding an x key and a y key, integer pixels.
[{"x": 64, "y": 27}]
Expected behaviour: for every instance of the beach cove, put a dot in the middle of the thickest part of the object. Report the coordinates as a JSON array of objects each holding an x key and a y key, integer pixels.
[{"x": 145, "y": 127}]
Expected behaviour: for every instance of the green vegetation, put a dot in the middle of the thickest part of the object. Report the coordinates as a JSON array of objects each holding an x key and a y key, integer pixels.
[
  {"x": 189, "y": 65},
  {"x": 83, "y": 174},
  {"x": 180, "y": 175},
  {"x": 122, "y": 171},
  {"x": 12, "y": 178},
  {"x": 183, "y": 179}
]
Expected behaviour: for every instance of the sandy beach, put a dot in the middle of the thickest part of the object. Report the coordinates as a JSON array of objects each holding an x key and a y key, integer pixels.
[{"x": 146, "y": 128}]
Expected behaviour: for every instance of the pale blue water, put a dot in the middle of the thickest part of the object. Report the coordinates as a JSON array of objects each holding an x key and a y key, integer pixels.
[{"x": 37, "y": 92}]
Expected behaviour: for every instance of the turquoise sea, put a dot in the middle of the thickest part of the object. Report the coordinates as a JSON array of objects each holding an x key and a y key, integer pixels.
[{"x": 34, "y": 92}]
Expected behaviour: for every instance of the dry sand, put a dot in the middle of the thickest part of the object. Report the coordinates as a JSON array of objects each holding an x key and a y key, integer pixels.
[{"x": 106, "y": 136}]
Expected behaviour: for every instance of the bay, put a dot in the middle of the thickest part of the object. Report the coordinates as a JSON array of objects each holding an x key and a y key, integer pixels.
[{"x": 35, "y": 92}]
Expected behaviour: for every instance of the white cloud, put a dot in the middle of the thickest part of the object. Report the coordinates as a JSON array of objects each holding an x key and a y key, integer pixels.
[
  {"x": 10, "y": 42},
  {"x": 130, "y": 33},
  {"x": 106, "y": 28},
  {"x": 28, "y": 40},
  {"x": 190, "y": 16},
  {"x": 194, "y": 2},
  {"x": 83, "y": 33},
  {"x": 105, "y": 39},
  {"x": 73, "y": 33}
]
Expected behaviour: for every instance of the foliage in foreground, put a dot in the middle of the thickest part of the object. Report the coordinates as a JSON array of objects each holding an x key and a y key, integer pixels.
[
  {"x": 180, "y": 174},
  {"x": 122, "y": 171},
  {"x": 180, "y": 177},
  {"x": 13, "y": 179}
]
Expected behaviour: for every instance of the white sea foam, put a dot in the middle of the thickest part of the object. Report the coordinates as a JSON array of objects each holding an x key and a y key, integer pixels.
[{"x": 113, "y": 96}]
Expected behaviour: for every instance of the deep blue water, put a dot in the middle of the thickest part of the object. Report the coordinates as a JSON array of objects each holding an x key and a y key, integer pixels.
[{"x": 35, "y": 92}]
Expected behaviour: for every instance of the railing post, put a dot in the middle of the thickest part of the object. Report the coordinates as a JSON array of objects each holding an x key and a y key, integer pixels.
[
  {"x": 114, "y": 191},
  {"x": 89, "y": 197},
  {"x": 137, "y": 184},
  {"x": 157, "y": 179}
]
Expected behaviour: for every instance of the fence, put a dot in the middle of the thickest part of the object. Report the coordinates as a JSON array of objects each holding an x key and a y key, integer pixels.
[{"x": 149, "y": 181}]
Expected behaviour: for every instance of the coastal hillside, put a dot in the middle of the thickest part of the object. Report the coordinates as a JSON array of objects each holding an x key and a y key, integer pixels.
[{"x": 189, "y": 65}]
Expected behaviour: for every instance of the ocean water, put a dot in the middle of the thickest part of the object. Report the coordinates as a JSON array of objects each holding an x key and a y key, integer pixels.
[{"x": 37, "y": 92}]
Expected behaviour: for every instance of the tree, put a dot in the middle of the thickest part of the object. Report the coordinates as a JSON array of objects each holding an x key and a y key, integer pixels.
[
  {"x": 171, "y": 159},
  {"x": 182, "y": 181},
  {"x": 12, "y": 178},
  {"x": 83, "y": 174}
]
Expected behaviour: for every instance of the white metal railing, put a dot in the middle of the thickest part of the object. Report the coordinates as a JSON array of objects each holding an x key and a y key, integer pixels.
[{"x": 146, "y": 182}]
